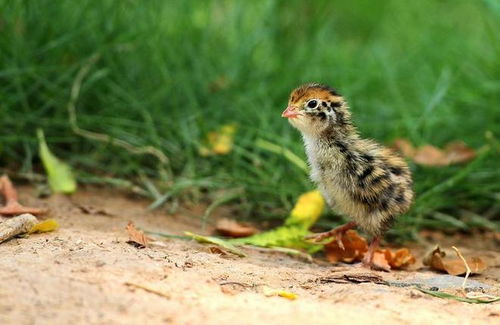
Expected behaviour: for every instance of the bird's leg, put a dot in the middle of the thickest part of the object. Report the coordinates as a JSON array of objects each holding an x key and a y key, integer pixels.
[
  {"x": 368, "y": 258},
  {"x": 12, "y": 206},
  {"x": 337, "y": 232}
]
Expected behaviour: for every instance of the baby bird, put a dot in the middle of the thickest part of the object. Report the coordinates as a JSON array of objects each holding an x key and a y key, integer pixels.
[{"x": 368, "y": 183}]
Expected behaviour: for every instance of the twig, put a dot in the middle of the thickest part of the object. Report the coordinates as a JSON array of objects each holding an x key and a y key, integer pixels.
[
  {"x": 480, "y": 296},
  {"x": 71, "y": 107},
  {"x": 244, "y": 285},
  {"x": 140, "y": 286},
  {"x": 16, "y": 226},
  {"x": 466, "y": 266}
]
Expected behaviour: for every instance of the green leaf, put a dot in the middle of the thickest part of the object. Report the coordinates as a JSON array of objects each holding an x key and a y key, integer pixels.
[
  {"x": 216, "y": 241},
  {"x": 61, "y": 178},
  {"x": 284, "y": 236}
]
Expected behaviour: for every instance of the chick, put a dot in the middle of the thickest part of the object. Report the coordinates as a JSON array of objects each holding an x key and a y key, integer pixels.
[{"x": 359, "y": 178}]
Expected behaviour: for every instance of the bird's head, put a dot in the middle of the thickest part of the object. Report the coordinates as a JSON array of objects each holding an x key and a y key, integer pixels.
[{"x": 315, "y": 108}]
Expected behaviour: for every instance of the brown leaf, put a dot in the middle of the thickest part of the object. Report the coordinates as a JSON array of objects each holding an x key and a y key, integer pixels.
[
  {"x": 454, "y": 266},
  {"x": 385, "y": 259},
  {"x": 216, "y": 250},
  {"x": 381, "y": 260},
  {"x": 137, "y": 237},
  {"x": 354, "y": 248},
  {"x": 431, "y": 156},
  {"x": 401, "y": 258},
  {"x": 232, "y": 228},
  {"x": 455, "y": 152},
  {"x": 405, "y": 147},
  {"x": 458, "y": 152}
]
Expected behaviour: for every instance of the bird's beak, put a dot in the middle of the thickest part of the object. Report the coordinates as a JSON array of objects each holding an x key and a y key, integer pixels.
[{"x": 290, "y": 112}]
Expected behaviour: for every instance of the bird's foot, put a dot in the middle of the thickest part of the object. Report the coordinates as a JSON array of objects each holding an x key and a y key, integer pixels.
[
  {"x": 368, "y": 260},
  {"x": 337, "y": 232},
  {"x": 12, "y": 206}
]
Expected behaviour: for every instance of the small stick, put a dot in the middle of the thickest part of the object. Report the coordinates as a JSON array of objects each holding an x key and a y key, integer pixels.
[
  {"x": 151, "y": 290},
  {"x": 244, "y": 285},
  {"x": 481, "y": 296},
  {"x": 466, "y": 266},
  {"x": 16, "y": 226}
]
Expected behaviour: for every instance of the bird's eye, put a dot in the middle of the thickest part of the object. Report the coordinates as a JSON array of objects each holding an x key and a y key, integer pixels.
[{"x": 312, "y": 103}]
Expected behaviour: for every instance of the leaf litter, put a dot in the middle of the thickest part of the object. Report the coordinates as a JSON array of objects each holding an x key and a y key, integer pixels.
[
  {"x": 233, "y": 228},
  {"x": 455, "y": 152},
  {"x": 136, "y": 236},
  {"x": 291, "y": 235},
  {"x": 437, "y": 260}
]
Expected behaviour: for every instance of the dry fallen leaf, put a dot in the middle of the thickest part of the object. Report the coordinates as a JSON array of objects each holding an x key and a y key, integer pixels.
[
  {"x": 137, "y": 237},
  {"x": 381, "y": 260},
  {"x": 386, "y": 259},
  {"x": 232, "y": 228},
  {"x": 454, "y": 266},
  {"x": 431, "y": 156},
  {"x": 455, "y": 152},
  {"x": 354, "y": 248},
  {"x": 458, "y": 152},
  {"x": 402, "y": 258}
]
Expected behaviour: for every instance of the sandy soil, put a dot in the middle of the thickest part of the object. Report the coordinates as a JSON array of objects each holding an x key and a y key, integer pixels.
[{"x": 86, "y": 273}]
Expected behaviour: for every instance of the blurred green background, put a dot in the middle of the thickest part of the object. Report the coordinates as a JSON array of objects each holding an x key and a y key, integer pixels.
[{"x": 169, "y": 72}]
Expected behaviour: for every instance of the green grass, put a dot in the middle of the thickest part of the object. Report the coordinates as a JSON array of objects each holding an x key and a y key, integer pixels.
[{"x": 170, "y": 71}]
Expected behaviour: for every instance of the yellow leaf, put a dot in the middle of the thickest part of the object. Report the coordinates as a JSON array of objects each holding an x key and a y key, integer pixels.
[
  {"x": 44, "y": 226},
  {"x": 59, "y": 174},
  {"x": 308, "y": 209},
  {"x": 270, "y": 292},
  {"x": 287, "y": 294},
  {"x": 219, "y": 142}
]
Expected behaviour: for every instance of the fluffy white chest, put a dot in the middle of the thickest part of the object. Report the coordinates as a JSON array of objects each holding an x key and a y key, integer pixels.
[{"x": 328, "y": 172}]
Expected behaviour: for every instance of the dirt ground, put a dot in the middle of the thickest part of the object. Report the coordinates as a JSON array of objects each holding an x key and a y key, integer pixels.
[{"x": 86, "y": 273}]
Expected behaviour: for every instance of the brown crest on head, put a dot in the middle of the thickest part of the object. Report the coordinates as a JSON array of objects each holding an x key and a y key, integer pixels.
[
  {"x": 314, "y": 108},
  {"x": 314, "y": 89}
]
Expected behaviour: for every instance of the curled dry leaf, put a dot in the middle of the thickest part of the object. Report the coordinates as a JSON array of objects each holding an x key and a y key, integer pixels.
[
  {"x": 355, "y": 247},
  {"x": 232, "y": 228},
  {"x": 454, "y": 266},
  {"x": 381, "y": 261},
  {"x": 137, "y": 237},
  {"x": 399, "y": 259},
  {"x": 455, "y": 152}
]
